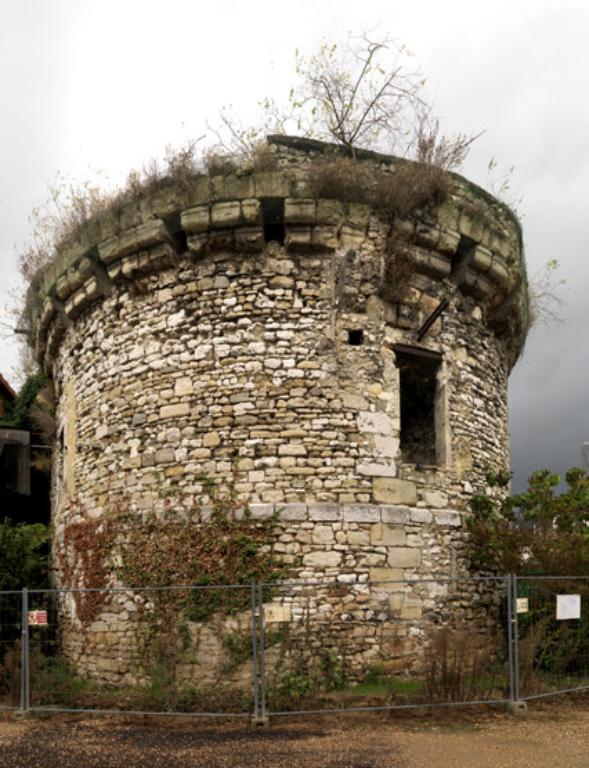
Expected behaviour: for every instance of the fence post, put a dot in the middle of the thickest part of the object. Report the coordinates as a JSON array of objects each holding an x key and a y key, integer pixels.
[
  {"x": 510, "y": 654},
  {"x": 255, "y": 681},
  {"x": 514, "y": 706},
  {"x": 515, "y": 640},
  {"x": 262, "y": 656},
  {"x": 25, "y": 689},
  {"x": 260, "y": 715}
]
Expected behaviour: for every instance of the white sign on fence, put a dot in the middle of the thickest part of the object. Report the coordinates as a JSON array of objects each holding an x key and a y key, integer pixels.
[
  {"x": 568, "y": 607},
  {"x": 522, "y": 605}
]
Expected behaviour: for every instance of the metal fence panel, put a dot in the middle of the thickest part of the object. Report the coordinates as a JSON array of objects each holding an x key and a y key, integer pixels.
[
  {"x": 177, "y": 650},
  {"x": 553, "y": 636},
  {"x": 301, "y": 646},
  {"x": 349, "y": 643},
  {"x": 10, "y": 649}
]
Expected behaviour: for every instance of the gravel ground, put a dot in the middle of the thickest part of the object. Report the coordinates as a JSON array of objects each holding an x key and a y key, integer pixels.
[
  {"x": 112, "y": 744},
  {"x": 551, "y": 736}
]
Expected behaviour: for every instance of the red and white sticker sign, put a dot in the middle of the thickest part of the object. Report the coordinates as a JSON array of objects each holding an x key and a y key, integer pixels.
[{"x": 37, "y": 618}]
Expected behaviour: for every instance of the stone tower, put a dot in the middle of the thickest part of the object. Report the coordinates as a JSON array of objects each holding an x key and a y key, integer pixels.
[{"x": 348, "y": 366}]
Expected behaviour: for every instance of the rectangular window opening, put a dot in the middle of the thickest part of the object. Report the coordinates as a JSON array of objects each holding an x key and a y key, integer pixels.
[
  {"x": 355, "y": 337},
  {"x": 418, "y": 374},
  {"x": 273, "y": 218}
]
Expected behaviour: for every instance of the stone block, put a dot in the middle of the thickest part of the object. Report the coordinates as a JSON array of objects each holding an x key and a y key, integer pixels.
[
  {"x": 354, "y": 401},
  {"x": 183, "y": 386},
  {"x": 174, "y": 411},
  {"x": 147, "y": 460},
  {"x": 322, "y": 534},
  {"x": 211, "y": 440},
  {"x": 436, "y": 499},
  {"x": 394, "y": 491},
  {"x": 164, "y": 455},
  {"x": 196, "y": 219},
  {"x": 378, "y": 470},
  {"x": 325, "y": 512},
  {"x": 387, "y": 579},
  {"x": 404, "y": 557},
  {"x": 422, "y": 516},
  {"x": 261, "y": 511},
  {"x": 299, "y": 210},
  {"x": 387, "y": 447},
  {"x": 323, "y": 559},
  {"x": 292, "y": 449},
  {"x": 292, "y": 512},
  {"x": 250, "y": 211},
  {"x": 277, "y": 614},
  {"x": 374, "y": 422},
  {"x": 361, "y": 513},
  {"x": 447, "y": 517},
  {"x": 411, "y": 610},
  {"x": 385, "y": 535},
  {"x": 226, "y": 214},
  {"x": 360, "y": 538},
  {"x": 395, "y": 515}
]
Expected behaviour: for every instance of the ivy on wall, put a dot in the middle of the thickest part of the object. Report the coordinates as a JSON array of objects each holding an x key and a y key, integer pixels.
[{"x": 230, "y": 547}]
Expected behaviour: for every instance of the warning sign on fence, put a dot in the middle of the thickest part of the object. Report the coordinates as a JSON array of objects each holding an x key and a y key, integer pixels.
[
  {"x": 568, "y": 607},
  {"x": 37, "y": 618}
]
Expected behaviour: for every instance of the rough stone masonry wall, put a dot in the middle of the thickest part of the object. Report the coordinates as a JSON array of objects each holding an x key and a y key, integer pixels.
[{"x": 230, "y": 358}]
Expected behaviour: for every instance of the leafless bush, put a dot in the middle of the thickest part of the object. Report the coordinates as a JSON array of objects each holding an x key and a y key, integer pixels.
[
  {"x": 218, "y": 164},
  {"x": 458, "y": 665},
  {"x": 340, "y": 177},
  {"x": 413, "y": 187},
  {"x": 69, "y": 205},
  {"x": 434, "y": 148},
  {"x": 545, "y": 300},
  {"x": 10, "y": 673}
]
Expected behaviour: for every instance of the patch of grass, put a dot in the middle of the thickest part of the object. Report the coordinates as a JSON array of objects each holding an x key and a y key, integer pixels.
[{"x": 378, "y": 683}]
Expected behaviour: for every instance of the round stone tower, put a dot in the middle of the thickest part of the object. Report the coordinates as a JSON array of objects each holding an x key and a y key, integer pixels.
[{"x": 342, "y": 355}]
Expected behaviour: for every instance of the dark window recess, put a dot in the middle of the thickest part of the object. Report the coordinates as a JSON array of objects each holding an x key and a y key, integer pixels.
[
  {"x": 418, "y": 407},
  {"x": 356, "y": 337},
  {"x": 273, "y": 218},
  {"x": 463, "y": 256},
  {"x": 179, "y": 236}
]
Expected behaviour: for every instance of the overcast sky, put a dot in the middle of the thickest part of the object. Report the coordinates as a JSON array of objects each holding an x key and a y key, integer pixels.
[{"x": 90, "y": 85}]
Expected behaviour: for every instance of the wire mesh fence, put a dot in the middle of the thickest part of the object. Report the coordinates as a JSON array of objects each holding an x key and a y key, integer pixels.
[
  {"x": 553, "y": 635},
  {"x": 384, "y": 644},
  {"x": 289, "y": 647},
  {"x": 176, "y": 650},
  {"x": 10, "y": 649}
]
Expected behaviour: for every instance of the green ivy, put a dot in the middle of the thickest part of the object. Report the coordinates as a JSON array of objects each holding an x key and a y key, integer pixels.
[{"x": 23, "y": 556}]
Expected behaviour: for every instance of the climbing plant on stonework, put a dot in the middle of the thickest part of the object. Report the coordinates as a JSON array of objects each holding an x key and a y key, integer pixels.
[{"x": 230, "y": 547}]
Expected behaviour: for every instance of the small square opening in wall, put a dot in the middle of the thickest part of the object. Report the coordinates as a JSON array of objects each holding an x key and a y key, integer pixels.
[
  {"x": 418, "y": 374},
  {"x": 273, "y": 219},
  {"x": 355, "y": 337}
]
